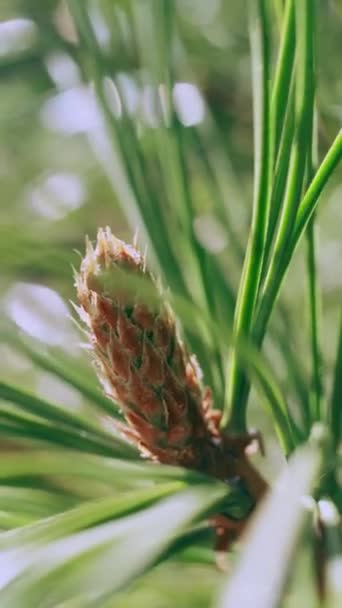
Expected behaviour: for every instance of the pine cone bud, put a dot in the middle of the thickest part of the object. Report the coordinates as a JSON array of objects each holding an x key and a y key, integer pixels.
[{"x": 142, "y": 362}]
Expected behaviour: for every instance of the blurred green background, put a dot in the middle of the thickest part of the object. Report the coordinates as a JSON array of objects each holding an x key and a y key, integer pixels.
[{"x": 59, "y": 181}]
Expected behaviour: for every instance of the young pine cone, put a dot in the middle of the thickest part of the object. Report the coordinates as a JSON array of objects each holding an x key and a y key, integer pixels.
[
  {"x": 146, "y": 369},
  {"x": 141, "y": 361}
]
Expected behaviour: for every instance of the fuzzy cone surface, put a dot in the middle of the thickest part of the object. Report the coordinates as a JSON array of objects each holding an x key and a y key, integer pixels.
[{"x": 146, "y": 369}]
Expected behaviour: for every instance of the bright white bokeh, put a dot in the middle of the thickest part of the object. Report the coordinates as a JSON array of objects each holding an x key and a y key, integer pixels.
[
  {"x": 9, "y": 561},
  {"x": 57, "y": 195},
  {"x": 72, "y": 111},
  {"x": 189, "y": 103},
  {"x": 41, "y": 313},
  {"x": 16, "y": 36},
  {"x": 100, "y": 25},
  {"x": 334, "y": 575},
  {"x": 63, "y": 70},
  {"x": 75, "y": 110}
]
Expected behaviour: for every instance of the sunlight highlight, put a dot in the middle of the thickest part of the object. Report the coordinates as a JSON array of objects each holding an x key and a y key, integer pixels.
[{"x": 40, "y": 312}]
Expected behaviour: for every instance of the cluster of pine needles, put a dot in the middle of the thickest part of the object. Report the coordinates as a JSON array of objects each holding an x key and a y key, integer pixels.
[{"x": 160, "y": 468}]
